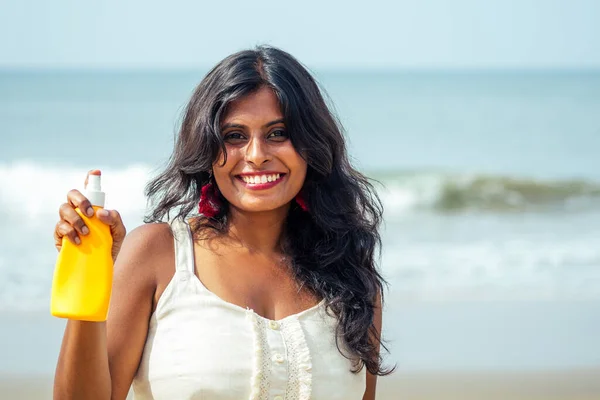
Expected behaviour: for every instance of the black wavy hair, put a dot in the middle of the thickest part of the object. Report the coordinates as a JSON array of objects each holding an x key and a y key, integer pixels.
[{"x": 332, "y": 249}]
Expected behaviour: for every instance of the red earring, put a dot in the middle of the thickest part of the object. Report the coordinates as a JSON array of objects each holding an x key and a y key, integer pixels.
[
  {"x": 301, "y": 202},
  {"x": 209, "y": 204}
]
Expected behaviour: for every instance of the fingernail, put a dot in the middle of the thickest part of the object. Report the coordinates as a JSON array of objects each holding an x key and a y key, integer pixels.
[
  {"x": 90, "y": 212},
  {"x": 103, "y": 213},
  {"x": 77, "y": 240},
  {"x": 85, "y": 230}
]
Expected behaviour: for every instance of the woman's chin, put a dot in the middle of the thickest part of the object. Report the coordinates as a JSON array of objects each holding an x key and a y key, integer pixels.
[{"x": 261, "y": 207}]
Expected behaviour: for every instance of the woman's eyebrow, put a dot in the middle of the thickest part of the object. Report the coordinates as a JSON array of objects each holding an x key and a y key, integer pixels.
[
  {"x": 241, "y": 126},
  {"x": 230, "y": 125},
  {"x": 277, "y": 121}
]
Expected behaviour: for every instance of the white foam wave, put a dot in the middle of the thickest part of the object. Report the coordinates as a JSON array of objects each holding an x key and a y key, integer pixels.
[
  {"x": 487, "y": 269},
  {"x": 32, "y": 191}
]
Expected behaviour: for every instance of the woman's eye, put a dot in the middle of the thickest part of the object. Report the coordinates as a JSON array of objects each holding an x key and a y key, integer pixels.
[
  {"x": 233, "y": 136},
  {"x": 279, "y": 133}
]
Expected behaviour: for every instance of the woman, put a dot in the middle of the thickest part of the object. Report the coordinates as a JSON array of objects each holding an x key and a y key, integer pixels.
[{"x": 267, "y": 290}]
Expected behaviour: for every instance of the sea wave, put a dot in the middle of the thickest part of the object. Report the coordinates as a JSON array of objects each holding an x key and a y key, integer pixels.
[
  {"x": 31, "y": 190},
  {"x": 453, "y": 192}
]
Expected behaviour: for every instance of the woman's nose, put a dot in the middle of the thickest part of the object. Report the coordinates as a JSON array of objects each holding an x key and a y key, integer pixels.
[{"x": 257, "y": 152}]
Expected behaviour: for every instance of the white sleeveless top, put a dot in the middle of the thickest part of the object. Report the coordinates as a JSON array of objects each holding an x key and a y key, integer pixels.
[{"x": 201, "y": 347}]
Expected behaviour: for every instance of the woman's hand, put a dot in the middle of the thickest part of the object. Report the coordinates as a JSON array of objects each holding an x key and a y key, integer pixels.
[{"x": 73, "y": 226}]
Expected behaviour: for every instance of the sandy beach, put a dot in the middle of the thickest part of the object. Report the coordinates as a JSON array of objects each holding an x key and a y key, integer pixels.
[{"x": 581, "y": 384}]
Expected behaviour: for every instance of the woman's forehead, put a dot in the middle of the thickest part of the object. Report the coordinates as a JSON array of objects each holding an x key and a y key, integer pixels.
[{"x": 262, "y": 105}]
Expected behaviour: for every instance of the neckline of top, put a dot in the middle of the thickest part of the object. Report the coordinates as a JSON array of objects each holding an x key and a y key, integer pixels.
[
  {"x": 250, "y": 310},
  {"x": 233, "y": 305}
]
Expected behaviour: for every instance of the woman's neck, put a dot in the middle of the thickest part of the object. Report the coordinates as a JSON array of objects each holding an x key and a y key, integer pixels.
[{"x": 259, "y": 232}]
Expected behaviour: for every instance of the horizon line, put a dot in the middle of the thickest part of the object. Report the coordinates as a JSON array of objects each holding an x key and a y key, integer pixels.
[{"x": 350, "y": 68}]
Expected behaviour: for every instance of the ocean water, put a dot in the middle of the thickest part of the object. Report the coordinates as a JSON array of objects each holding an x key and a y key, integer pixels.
[{"x": 490, "y": 183}]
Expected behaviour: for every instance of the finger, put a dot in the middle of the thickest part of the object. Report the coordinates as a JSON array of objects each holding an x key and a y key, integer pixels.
[
  {"x": 64, "y": 229},
  {"x": 68, "y": 214},
  {"x": 77, "y": 199},
  {"x": 113, "y": 219}
]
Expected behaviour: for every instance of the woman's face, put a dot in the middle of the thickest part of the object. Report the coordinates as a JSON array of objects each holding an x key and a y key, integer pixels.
[{"x": 263, "y": 170}]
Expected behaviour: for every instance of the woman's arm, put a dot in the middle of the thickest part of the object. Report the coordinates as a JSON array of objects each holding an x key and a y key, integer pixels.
[
  {"x": 82, "y": 370},
  {"x": 98, "y": 360},
  {"x": 372, "y": 379}
]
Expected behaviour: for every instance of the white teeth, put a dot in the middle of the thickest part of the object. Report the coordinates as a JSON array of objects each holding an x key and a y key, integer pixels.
[{"x": 260, "y": 178}]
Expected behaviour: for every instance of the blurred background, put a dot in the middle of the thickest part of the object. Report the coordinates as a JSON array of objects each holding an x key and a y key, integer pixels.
[{"x": 479, "y": 119}]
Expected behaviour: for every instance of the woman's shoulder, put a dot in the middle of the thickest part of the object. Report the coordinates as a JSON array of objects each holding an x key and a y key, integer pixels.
[
  {"x": 145, "y": 247},
  {"x": 150, "y": 238}
]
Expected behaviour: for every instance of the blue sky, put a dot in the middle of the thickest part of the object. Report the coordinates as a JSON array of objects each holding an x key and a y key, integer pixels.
[{"x": 323, "y": 34}]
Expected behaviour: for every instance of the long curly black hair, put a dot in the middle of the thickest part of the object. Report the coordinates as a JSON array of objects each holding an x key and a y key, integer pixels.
[{"x": 333, "y": 248}]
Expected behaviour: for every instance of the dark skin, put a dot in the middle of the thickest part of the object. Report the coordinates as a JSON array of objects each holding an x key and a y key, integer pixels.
[{"x": 239, "y": 267}]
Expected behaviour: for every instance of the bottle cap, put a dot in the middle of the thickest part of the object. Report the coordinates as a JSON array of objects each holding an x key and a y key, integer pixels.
[{"x": 93, "y": 191}]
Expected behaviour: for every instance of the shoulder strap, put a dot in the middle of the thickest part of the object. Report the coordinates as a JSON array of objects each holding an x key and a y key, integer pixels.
[{"x": 184, "y": 245}]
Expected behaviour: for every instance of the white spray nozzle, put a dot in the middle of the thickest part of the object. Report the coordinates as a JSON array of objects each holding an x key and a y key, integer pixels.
[
  {"x": 94, "y": 183},
  {"x": 93, "y": 191}
]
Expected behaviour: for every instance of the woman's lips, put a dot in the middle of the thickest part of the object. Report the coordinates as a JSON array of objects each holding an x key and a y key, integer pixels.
[{"x": 261, "y": 186}]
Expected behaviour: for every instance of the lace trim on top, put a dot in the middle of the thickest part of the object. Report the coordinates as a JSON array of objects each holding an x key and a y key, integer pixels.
[
  {"x": 300, "y": 366},
  {"x": 299, "y": 383},
  {"x": 261, "y": 373}
]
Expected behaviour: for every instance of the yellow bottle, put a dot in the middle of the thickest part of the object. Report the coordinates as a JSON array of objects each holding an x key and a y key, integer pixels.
[{"x": 83, "y": 274}]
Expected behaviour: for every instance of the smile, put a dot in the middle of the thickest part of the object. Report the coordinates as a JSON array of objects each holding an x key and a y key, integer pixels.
[{"x": 258, "y": 182}]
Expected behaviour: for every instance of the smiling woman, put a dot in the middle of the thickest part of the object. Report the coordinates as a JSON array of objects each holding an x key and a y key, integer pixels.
[
  {"x": 262, "y": 282},
  {"x": 259, "y": 156}
]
